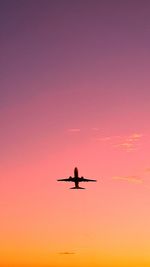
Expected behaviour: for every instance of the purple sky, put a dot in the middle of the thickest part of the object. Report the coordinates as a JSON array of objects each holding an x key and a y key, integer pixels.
[
  {"x": 64, "y": 43},
  {"x": 74, "y": 89}
]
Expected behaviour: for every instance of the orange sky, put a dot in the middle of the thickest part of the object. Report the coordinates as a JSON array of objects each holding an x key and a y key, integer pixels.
[{"x": 74, "y": 92}]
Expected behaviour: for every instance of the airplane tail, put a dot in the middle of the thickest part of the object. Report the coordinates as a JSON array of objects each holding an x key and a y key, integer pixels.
[{"x": 77, "y": 187}]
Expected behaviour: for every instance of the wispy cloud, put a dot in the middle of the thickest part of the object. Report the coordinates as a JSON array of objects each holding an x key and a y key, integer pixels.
[
  {"x": 133, "y": 178},
  {"x": 136, "y": 136},
  {"x": 127, "y": 146},
  {"x": 129, "y": 143},
  {"x": 147, "y": 170},
  {"x": 66, "y": 253},
  {"x": 106, "y": 138}
]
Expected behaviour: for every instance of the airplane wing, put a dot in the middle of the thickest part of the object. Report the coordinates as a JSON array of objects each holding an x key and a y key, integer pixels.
[
  {"x": 70, "y": 179},
  {"x": 87, "y": 180}
]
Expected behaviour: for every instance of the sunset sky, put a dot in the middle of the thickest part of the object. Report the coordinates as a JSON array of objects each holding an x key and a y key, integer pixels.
[{"x": 74, "y": 91}]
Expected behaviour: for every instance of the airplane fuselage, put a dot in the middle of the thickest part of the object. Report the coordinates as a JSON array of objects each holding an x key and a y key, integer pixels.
[
  {"x": 76, "y": 172},
  {"x": 76, "y": 177}
]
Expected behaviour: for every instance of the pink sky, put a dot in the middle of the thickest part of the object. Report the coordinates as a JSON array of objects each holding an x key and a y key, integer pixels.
[{"x": 74, "y": 91}]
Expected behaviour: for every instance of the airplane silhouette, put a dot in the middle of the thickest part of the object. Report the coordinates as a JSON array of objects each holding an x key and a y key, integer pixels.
[{"x": 76, "y": 179}]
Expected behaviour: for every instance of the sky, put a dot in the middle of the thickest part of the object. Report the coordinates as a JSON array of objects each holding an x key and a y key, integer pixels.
[{"x": 74, "y": 91}]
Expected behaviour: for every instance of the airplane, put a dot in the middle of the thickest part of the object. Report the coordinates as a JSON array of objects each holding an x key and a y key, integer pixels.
[{"x": 76, "y": 179}]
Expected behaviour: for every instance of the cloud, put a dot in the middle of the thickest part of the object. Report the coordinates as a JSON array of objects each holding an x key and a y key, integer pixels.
[
  {"x": 136, "y": 136},
  {"x": 74, "y": 130},
  {"x": 66, "y": 253},
  {"x": 147, "y": 170},
  {"x": 127, "y": 146},
  {"x": 129, "y": 143},
  {"x": 133, "y": 179},
  {"x": 130, "y": 139}
]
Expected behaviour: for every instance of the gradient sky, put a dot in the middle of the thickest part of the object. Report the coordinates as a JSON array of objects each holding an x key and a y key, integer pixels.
[{"x": 74, "y": 91}]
